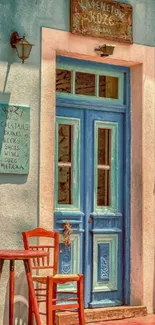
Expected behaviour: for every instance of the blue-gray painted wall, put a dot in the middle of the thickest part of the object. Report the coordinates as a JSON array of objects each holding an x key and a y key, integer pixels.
[{"x": 29, "y": 15}]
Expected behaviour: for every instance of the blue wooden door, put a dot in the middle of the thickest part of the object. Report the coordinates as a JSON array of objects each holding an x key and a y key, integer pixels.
[
  {"x": 104, "y": 208},
  {"x": 89, "y": 194}
]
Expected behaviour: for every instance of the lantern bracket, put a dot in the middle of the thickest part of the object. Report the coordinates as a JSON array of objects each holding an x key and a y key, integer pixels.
[
  {"x": 105, "y": 50},
  {"x": 14, "y": 39}
]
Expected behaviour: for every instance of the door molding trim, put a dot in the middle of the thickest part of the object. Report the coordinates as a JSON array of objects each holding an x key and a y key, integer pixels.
[{"x": 94, "y": 105}]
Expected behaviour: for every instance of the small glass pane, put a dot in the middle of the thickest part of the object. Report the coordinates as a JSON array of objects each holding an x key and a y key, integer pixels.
[
  {"x": 104, "y": 167},
  {"x": 103, "y": 197},
  {"x": 108, "y": 87},
  {"x": 64, "y": 185},
  {"x": 65, "y": 163},
  {"x": 64, "y": 141},
  {"x": 63, "y": 81},
  {"x": 104, "y": 141},
  {"x": 85, "y": 84}
]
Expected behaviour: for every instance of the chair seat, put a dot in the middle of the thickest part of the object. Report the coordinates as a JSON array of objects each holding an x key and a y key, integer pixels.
[
  {"x": 58, "y": 278},
  {"x": 66, "y": 276}
]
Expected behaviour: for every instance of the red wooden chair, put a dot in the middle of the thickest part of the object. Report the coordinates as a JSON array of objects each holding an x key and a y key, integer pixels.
[{"x": 51, "y": 281}]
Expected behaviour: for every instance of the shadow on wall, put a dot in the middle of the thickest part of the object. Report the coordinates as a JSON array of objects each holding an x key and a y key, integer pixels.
[{"x": 20, "y": 301}]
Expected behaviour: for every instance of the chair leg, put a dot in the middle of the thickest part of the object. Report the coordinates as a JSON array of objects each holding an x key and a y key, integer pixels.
[
  {"x": 54, "y": 303},
  {"x": 49, "y": 297},
  {"x": 1, "y": 267},
  {"x": 34, "y": 303},
  {"x": 30, "y": 314},
  {"x": 80, "y": 290}
]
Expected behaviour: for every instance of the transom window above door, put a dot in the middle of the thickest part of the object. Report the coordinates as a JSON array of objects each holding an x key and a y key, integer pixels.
[
  {"x": 86, "y": 84},
  {"x": 96, "y": 83}
]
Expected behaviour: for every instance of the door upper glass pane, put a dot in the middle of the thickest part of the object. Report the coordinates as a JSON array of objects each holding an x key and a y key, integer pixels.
[
  {"x": 65, "y": 164},
  {"x": 104, "y": 146},
  {"x": 104, "y": 167},
  {"x": 65, "y": 143}
]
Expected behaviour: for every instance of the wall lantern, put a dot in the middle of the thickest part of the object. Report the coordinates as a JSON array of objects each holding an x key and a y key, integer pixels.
[
  {"x": 22, "y": 46},
  {"x": 105, "y": 50}
]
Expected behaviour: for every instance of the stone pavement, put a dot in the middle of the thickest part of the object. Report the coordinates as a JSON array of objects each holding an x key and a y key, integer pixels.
[{"x": 146, "y": 320}]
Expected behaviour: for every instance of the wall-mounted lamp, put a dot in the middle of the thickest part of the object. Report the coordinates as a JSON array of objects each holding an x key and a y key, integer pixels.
[
  {"x": 105, "y": 50},
  {"x": 22, "y": 46}
]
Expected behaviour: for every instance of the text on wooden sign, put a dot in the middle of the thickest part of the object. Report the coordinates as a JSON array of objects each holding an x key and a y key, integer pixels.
[
  {"x": 102, "y": 18},
  {"x": 14, "y": 139}
]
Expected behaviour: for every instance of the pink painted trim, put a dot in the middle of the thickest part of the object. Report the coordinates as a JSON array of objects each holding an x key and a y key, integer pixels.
[
  {"x": 141, "y": 60},
  {"x": 83, "y": 47}
]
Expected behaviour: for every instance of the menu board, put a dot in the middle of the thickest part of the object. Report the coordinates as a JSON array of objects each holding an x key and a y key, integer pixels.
[
  {"x": 102, "y": 18},
  {"x": 14, "y": 139}
]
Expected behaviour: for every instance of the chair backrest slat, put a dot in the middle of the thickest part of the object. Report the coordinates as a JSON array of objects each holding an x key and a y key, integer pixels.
[
  {"x": 43, "y": 258},
  {"x": 51, "y": 260},
  {"x": 48, "y": 256}
]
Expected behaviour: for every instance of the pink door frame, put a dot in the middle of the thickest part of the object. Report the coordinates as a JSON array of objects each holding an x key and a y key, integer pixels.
[{"x": 141, "y": 60}]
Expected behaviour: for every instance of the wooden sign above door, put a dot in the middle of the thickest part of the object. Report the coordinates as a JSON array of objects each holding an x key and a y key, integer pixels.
[{"x": 102, "y": 18}]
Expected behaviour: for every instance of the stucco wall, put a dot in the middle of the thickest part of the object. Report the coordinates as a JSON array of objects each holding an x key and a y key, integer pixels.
[{"x": 20, "y": 84}]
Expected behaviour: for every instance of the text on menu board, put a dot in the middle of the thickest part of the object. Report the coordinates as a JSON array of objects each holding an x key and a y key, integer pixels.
[
  {"x": 102, "y": 18},
  {"x": 14, "y": 139}
]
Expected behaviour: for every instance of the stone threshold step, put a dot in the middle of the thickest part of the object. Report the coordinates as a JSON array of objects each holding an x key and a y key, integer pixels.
[
  {"x": 145, "y": 320},
  {"x": 102, "y": 314}
]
